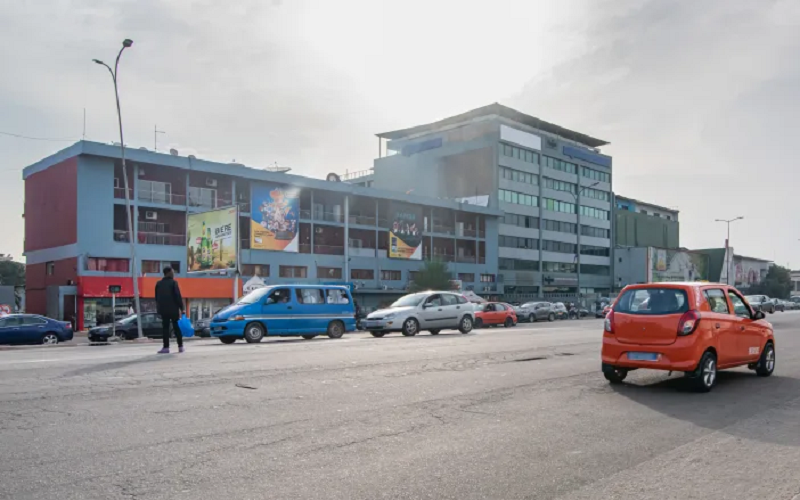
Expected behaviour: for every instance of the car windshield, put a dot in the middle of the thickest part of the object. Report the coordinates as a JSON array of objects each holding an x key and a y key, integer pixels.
[
  {"x": 128, "y": 320},
  {"x": 255, "y": 296},
  {"x": 412, "y": 300},
  {"x": 653, "y": 301}
]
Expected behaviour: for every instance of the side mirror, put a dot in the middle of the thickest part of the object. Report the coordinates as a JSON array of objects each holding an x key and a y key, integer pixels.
[
  {"x": 426, "y": 305},
  {"x": 759, "y": 315}
]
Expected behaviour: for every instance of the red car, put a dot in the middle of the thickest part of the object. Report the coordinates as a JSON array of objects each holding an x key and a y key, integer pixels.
[{"x": 494, "y": 314}]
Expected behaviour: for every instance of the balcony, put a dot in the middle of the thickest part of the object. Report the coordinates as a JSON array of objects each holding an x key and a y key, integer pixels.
[
  {"x": 119, "y": 193},
  {"x": 466, "y": 259},
  {"x": 329, "y": 217},
  {"x": 146, "y": 238},
  {"x": 162, "y": 197},
  {"x": 440, "y": 229},
  {"x": 328, "y": 250},
  {"x": 349, "y": 176},
  {"x": 206, "y": 198},
  {"x": 364, "y": 220},
  {"x": 121, "y": 236}
]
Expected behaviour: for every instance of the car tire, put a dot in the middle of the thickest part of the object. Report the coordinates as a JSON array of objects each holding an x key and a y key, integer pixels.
[
  {"x": 531, "y": 318},
  {"x": 410, "y": 327},
  {"x": 766, "y": 364},
  {"x": 335, "y": 329},
  {"x": 705, "y": 376},
  {"x": 551, "y": 317},
  {"x": 309, "y": 337},
  {"x": 49, "y": 338},
  {"x": 508, "y": 323},
  {"x": 614, "y": 374},
  {"x": 465, "y": 325},
  {"x": 253, "y": 333},
  {"x": 377, "y": 335},
  {"x": 434, "y": 332},
  {"x": 478, "y": 323},
  {"x": 227, "y": 340}
]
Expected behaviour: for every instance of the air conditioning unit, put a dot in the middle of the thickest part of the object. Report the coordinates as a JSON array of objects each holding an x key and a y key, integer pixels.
[
  {"x": 211, "y": 182},
  {"x": 151, "y": 215}
]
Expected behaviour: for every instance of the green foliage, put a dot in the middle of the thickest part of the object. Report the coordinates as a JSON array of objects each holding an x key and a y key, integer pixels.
[
  {"x": 434, "y": 275},
  {"x": 777, "y": 284},
  {"x": 12, "y": 273}
]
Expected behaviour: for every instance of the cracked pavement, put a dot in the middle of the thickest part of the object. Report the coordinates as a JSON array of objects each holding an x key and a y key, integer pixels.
[{"x": 521, "y": 413}]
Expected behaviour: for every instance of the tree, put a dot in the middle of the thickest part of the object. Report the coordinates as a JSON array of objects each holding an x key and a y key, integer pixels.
[
  {"x": 777, "y": 283},
  {"x": 434, "y": 275},
  {"x": 12, "y": 273}
]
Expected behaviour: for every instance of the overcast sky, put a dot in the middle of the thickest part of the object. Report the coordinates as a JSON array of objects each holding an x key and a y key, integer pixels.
[{"x": 699, "y": 99}]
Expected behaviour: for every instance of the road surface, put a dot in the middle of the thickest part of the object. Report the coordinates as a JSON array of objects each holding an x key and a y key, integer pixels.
[{"x": 521, "y": 413}]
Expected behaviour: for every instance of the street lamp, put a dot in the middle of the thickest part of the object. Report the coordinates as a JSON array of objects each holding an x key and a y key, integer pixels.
[
  {"x": 134, "y": 275},
  {"x": 727, "y": 248},
  {"x": 576, "y": 195}
]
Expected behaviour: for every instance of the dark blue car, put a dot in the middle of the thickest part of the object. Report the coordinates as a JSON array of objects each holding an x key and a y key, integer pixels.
[{"x": 33, "y": 329}]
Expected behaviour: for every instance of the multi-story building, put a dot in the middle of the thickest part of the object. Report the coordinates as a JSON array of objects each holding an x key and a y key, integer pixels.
[
  {"x": 641, "y": 224},
  {"x": 548, "y": 181},
  {"x": 77, "y": 243},
  {"x": 795, "y": 283}
]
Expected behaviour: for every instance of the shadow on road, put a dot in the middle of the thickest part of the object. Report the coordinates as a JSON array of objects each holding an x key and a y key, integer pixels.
[
  {"x": 738, "y": 395},
  {"x": 116, "y": 365}
]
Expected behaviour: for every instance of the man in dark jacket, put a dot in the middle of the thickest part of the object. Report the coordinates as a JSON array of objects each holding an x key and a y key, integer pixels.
[{"x": 169, "y": 304}]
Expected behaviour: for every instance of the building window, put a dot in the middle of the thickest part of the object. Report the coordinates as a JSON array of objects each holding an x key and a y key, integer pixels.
[
  {"x": 518, "y": 242},
  {"x": 466, "y": 277},
  {"x": 560, "y": 185},
  {"x": 518, "y": 198},
  {"x": 155, "y": 192},
  {"x": 50, "y": 268},
  {"x": 519, "y": 176},
  {"x": 594, "y": 213},
  {"x": 331, "y": 273},
  {"x": 525, "y": 155},
  {"x": 202, "y": 197},
  {"x": 558, "y": 206},
  {"x": 595, "y": 232},
  {"x": 596, "y": 175},
  {"x": 518, "y": 265},
  {"x": 293, "y": 271},
  {"x": 558, "y": 267},
  {"x": 595, "y": 250},
  {"x": 595, "y": 269},
  {"x": 488, "y": 278},
  {"x": 362, "y": 274},
  {"x": 412, "y": 275},
  {"x": 558, "y": 246},
  {"x": 596, "y": 194},
  {"x": 261, "y": 270},
  {"x": 560, "y": 165},
  {"x": 559, "y": 226},
  {"x": 108, "y": 265},
  {"x": 521, "y": 221},
  {"x": 151, "y": 266},
  {"x": 387, "y": 275}
]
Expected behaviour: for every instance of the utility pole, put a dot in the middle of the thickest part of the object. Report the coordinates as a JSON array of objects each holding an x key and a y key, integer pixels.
[
  {"x": 155, "y": 137},
  {"x": 578, "y": 246},
  {"x": 727, "y": 249}
]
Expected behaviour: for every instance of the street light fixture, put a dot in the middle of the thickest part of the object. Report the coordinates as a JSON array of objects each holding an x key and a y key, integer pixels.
[
  {"x": 129, "y": 218},
  {"x": 578, "y": 250},
  {"x": 727, "y": 248}
]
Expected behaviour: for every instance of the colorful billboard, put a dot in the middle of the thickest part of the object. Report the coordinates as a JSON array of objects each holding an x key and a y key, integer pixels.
[
  {"x": 676, "y": 265},
  {"x": 275, "y": 218},
  {"x": 405, "y": 233},
  {"x": 212, "y": 240}
]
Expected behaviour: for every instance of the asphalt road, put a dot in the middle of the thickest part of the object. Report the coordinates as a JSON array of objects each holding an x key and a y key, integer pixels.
[{"x": 499, "y": 414}]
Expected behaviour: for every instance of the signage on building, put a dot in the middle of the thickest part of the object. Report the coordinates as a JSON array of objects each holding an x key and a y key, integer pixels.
[
  {"x": 275, "y": 218},
  {"x": 114, "y": 289},
  {"x": 405, "y": 233},
  {"x": 212, "y": 240},
  {"x": 253, "y": 284},
  {"x": 676, "y": 265}
]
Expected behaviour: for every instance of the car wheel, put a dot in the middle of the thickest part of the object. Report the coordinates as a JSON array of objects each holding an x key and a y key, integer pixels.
[
  {"x": 309, "y": 337},
  {"x": 615, "y": 375},
  {"x": 766, "y": 365},
  {"x": 253, "y": 333},
  {"x": 508, "y": 323},
  {"x": 410, "y": 327},
  {"x": 227, "y": 340},
  {"x": 551, "y": 317},
  {"x": 435, "y": 332},
  {"x": 335, "y": 330},
  {"x": 377, "y": 335},
  {"x": 49, "y": 339},
  {"x": 478, "y": 323},
  {"x": 706, "y": 374},
  {"x": 531, "y": 318},
  {"x": 465, "y": 325}
]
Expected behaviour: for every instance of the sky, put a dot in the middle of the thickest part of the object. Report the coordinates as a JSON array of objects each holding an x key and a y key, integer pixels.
[{"x": 699, "y": 100}]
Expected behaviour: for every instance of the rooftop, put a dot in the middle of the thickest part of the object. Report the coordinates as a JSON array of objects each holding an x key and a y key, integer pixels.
[
  {"x": 640, "y": 202},
  {"x": 505, "y": 112}
]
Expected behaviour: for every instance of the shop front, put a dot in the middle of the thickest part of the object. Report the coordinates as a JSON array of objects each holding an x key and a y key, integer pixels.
[{"x": 202, "y": 297}]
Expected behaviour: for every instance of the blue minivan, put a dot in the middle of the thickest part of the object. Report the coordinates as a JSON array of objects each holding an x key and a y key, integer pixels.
[{"x": 287, "y": 310}]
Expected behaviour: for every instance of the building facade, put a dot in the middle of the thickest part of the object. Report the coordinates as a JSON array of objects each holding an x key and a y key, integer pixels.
[
  {"x": 547, "y": 180},
  {"x": 640, "y": 224},
  {"x": 77, "y": 244}
]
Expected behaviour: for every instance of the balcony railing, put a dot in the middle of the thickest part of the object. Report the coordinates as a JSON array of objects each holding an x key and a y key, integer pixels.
[
  {"x": 121, "y": 235},
  {"x": 328, "y": 250},
  {"x": 466, "y": 259},
  {"x": 162, "y": 197},
  {"x": 120, "y": 193},
  {"x": 444, "y": 229},
  {"x": 349, "y": 176},
  {"x": 364, "y": 220},
  {"x": 161, "y": 239},
  {"x": 329, "y": 217}
]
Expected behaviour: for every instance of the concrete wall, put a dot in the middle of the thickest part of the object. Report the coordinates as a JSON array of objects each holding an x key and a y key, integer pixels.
[
  {"x": 51, "y": 206},
  {"x": 638, "y": 230},
  {"x": 630, "y": 266}
]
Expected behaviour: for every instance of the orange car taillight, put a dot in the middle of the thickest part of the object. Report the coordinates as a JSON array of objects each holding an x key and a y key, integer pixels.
[
  {"x": 608, "y": 323},
  {"x": 688, "y": 322}
]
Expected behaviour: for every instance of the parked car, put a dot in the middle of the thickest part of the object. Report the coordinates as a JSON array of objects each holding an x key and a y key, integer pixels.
[
  {"x": 432, "y": 311},
  {"x": 694, "y": 328},
  {"x": 202, "y": 327},
  {"x": 762, "y": 303},
  {"x": 33, "y": 329},
  {"x": 127, "y": 328},
  {"x": 535, "y": 311},
  {"x": 791, "y": 305},
  {"x": 495, "y": 314},
  {"x": 560, "y": 310},
  {"x": 780, "y": 305}
]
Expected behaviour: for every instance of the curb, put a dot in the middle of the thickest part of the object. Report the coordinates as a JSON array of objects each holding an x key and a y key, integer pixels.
[{"x": 84, "y": 343}]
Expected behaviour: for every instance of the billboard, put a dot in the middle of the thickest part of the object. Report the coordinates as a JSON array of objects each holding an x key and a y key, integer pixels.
[
  {"x": 405, "y": 233},
  {"x": 212, "y": 240},
  {"x": 676, "y": 265},
  {"x": 275, "y": 218}
]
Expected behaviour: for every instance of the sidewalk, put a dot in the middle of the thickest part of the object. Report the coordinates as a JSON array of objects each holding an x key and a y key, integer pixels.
[{"x": 80, "y": 339}]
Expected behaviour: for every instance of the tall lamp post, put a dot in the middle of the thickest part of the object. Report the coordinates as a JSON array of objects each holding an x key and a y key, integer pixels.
[
  {"x": 134, "y": 275},
  {"x": 577, "y": 195},
  {"x": 727, "y": 249}
]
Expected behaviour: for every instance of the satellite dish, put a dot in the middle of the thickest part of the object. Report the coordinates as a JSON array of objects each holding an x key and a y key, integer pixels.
[
  {"x": 173, "y": 152},
  {"x": 333, "y": 177},
  {"x": 193, "y": 157}
]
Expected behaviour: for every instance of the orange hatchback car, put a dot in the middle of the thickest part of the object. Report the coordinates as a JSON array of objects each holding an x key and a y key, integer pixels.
[{"x": 695, "y": 328}]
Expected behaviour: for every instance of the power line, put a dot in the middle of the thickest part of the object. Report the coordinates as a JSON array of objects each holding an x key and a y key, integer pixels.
[{"x": 20, "y": 136}]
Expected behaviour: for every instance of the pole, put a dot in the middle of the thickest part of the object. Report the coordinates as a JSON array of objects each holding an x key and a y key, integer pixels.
[
  {"x": 113, "y": 314},
  {"x": 728, "y": 249}
]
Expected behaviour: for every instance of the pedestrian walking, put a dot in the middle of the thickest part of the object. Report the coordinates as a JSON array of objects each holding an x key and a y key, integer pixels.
[{"x": 169, "y": 304}]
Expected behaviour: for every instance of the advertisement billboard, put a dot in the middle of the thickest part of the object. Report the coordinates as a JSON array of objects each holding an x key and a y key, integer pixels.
[
  {"x": 405, "y": 233},
  {"x": 677, "y": 265},
  {"x": 275, "y": 218},
  {"x": 212, "y": 240}
]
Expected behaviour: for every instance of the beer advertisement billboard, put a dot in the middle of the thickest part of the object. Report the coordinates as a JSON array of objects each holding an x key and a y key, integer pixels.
[
  {"x": 275, "y": 218},
  {"x": 212, "y": 240},
  {"x": 405, "y": 232}
]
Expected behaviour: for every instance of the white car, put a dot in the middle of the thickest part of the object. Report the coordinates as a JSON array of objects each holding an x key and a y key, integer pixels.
[{"x": 431, "y": 311}]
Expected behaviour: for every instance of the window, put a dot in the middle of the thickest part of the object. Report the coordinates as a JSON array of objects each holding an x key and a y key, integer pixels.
[
  {"x": 448, "y": 299},
  {"x": 595, "y": 250},
  {"x": 518, "y": 242},
  {"x": 278, "y": 296},
  {"x": 10, "y": 322},
  {"x": 107, "y": 265},
  {"x": 595, "y": 269},
  {"x": 518, "y": 198},
  {"x": 519, "y": 176},
  {"x": 561, "y": 165},
  {"x": 336, "y": 296},
  {"x": 362, "y": 274},
  {"x": 261, "y": 270},
  {"x": 558, "y": 246},
  {"x": 387, "y": 275},
  {"x": 560, "y": 185},
  {"x": 558, "y": 206},
  {"x": 33, "y": 320},
  {"x": 561, "y": 227},
  {"x": 293, "y": 271},
  {"x": 519, "y": 153},
  {"x": 595, "y": 175},
  {"x": 595, "y": 232},
  {"x": 151, "y": 266},
  {"x": 202, "y": 197},
  {"x": 412, "y": 275},
  {"x": 518, "y": 265},
  {"x": 487, "y": 278},
  {"x": 331, "y": 273},
  {"x": 717, "y": 301},
  {"x": 434, "y": 300},
  {"x": 653, "y": 301},
  {"x": 50, "y": 268},
  {"x": 521, "y": 221},
  {"x": 154, "y": 191},
  {"x": 595, "y": 213},
  {"x": 596, "y": 194},
  {"x": 461, "y": 299},
  {"x": 739, "y": 307},
  {"x": 309, "y": 296},
  {"x": 468, "y": 277},
  {"x": 558, "y": 267}
]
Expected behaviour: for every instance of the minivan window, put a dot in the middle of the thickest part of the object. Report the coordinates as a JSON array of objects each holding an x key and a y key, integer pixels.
[
  {"x": 653, "y": 301},
  {"x": 336, "y": 296},
  {"x": 279, "y": 296},
  {"x": 717, "y": 301},
  {"x": 309, "y": 296}
]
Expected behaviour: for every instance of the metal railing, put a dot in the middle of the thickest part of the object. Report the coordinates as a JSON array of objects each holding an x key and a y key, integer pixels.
[
  {"x": 348, "y": 176},
  {"x": 162, "y": 197},
  {"x": 328, "y": 250},
  {"x": 466, "y": 259},
  {"x": 120, "y": 193},
  {"x": 161, "y": 239},
  {"x": 364, "y": 220}
]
